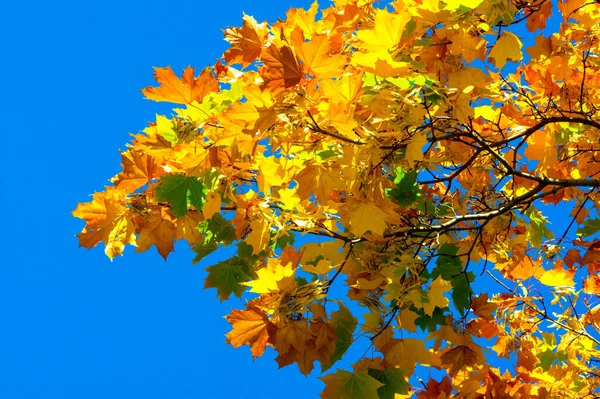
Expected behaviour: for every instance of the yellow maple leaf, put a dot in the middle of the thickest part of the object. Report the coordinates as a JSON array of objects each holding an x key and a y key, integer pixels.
[
  {"x": 414, "y": 149},
  {"x": 507, "y": 47},
  {"x": 558, "y": 277},
  {"x": 387, "y": 31},
  {"x": 316, "y": 55},
  {"x": 269, "y": 277},
  {"x": 212, "y": 205},
  {"x": 462, "y": 5},
  {"x": 367, "y": 216},
  {"x": 406, "y": 353},
  {"x": 437, "y": 289},
  {"x": 380, "y": 63},
  {"x": 107, "y": 220},
  {"x": 259, "y": 236},
  {"x": 345, "y": 89},
  {"x": 406, "y": 320}
]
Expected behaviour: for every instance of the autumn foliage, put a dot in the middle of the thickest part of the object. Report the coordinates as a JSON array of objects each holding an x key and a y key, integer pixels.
[{"x": 384, "y": 173}]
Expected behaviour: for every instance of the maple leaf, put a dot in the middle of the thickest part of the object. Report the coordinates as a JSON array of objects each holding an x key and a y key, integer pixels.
[
  {"x": 406, "y": 353},
  {"x": 250, "y": 327},
  {"x": 362, "y": 146},
  {"x": 558, "y": 276},
  {"x": 483, "y": 308},
  {"x": 407, "y": 190},
  {"x": 345, "y": 89},
  {"x": 106, "y": 220},
  {"x": 367, "y": 217},
  {"x": 393, "y": 382},
  {"x": 184, "y": 90},
  {"x": 387, "y": 32},
  {"x": 325, "y": 340},
  {"x": 294, "y": 342},
  {"x": 158, "y": 229},
  {"x": 344, "y": 323},
  {"x": 269, "y": 277},
  {"x": 181, "y": 192},
  {"x": 138, "y": 169},
  {"x": 316, "y": 55},
  {"x": 246, "y": 42},
  {"x": 343, "y": 384},
  {"x": 433, "y": 297},
  {"x": 414, "y": 150},
  {"x": 228, "y": 277},
  {"x": 281, "y": 69},
  {"x": 507, "y": 47},
  {"x": 541, "y": 146},
  {"x": 459, "y": 357},
  {"x": 462, "y": 5},
  {"x": 259, "y": 236}
]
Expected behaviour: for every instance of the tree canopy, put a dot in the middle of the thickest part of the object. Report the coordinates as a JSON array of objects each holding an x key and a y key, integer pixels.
[{"x": 368, "y": 163}]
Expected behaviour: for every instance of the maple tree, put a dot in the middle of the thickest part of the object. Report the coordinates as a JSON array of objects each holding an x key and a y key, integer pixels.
[{"x": 400, "y": 152}]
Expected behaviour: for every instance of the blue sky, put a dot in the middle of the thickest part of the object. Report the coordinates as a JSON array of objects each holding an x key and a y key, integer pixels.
[{"x": 75, "y": 325}]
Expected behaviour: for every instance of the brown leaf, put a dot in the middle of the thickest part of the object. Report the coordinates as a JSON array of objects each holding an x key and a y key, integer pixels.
[{"x": 459, "y": 357}]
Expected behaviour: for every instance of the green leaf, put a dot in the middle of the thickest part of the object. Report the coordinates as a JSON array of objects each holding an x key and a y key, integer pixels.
[
  {"x": 245, "y": 251},
  {"x": 203, "y": 249},
  {"x": 407, "y": 190},
  {"x": 344, "y": 323},
  {"x": 227, "y": 277},
  {"x": 218, "y": 229},
  {"x": 448, "y": 264},
  {"x": 537, "y": 227},
  {"x": 326, "y": 154},
  {"x": 428, "y": 208},
  {"x": 461, "y": 292},
  {"x": 347, "y": 385},
  {"x": 181, "y": 192},
  {"x": 369, "y": 80},
  {"x": 211, "y": 179},
  {"x": 393, "y": 382},
  {"x": 285, "y": 240},
  {"x": 590, "y": 227},
  {"x": 430, "y": 323}
]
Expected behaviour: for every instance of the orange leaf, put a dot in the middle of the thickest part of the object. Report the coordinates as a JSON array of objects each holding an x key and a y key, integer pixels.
[
  {"x": 138, "y": 169},
  {"x": 246, "y": 42},
  {"x": 182, "y": 91},
  {"x": 249, "y": 327},
  {"x": 483, "y": 308},
  {"x": 158, "y": 229},
  {"x": 316, "y": 55},
  {"x": 281, "y": 69}
]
